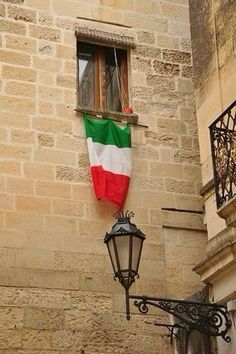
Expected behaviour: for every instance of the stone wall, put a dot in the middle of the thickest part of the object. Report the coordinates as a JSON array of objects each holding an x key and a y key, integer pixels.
[
  {"x": 214, "y": 67},
  {"x": 57, "y": 293}
]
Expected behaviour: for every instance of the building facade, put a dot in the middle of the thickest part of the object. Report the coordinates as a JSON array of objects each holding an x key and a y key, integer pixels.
[
  {"x": 214, "y": 64},
  {"x": 57, "y": 294}
]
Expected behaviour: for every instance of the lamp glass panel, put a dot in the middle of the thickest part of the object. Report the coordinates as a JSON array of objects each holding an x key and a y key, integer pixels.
[
  {"x": 123, "y": 250},
  {"x": 136, "y": 250},
  {"x": 110, "y": 246}
]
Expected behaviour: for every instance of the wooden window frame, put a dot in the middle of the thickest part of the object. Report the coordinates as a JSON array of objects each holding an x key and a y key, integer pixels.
[{"x": 99, "y": 77}]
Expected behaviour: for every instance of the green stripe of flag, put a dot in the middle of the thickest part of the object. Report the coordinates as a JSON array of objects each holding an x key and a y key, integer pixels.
[{"x": 106, "y": 132}]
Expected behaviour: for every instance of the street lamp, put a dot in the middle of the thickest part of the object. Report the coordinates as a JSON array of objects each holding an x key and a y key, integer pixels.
[{"x": 124, "y": 244}]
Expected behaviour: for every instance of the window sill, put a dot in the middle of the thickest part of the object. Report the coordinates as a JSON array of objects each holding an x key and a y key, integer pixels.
[{"x": 118, "y": 116}]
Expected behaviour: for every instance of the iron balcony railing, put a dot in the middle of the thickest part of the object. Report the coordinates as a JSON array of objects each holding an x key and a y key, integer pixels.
[{"x": 223, "y": 147}]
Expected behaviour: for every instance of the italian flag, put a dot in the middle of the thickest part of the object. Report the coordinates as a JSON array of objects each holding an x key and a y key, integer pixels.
[{"x": 109, "y": 148}]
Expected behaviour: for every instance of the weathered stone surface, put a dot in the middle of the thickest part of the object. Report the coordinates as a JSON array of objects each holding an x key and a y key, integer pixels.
[
  {"x": 19, "y": 13},
  {"x": 72, "y": 174},
  {"x": 160, "y": 67},
  {"x": 175, "y": 56},
  {"x": 46, "y": 33},
  {"x": 46, "y": 139}
]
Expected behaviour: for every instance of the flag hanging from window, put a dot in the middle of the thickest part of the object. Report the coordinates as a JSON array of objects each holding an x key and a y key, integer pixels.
[{"x": 109, "y": 148}]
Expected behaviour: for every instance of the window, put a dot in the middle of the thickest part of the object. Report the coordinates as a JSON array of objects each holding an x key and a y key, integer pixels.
[{"x": 102, "y": 77}]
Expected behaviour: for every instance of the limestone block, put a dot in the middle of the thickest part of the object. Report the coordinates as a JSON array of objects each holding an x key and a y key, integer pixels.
[
  {"x": 39, "y": 4},
  {"x": 92, "y": 228},
  {"x": 161, "y": 83},
  {"x": 66, "y": 81},
  {"x": 66, "y": 52},
  {"x": 166, "y": 170},
  {"x": 38, "y": 171},
  {"x": 153, "y": 24},
  {"x": 66, "y": 173},
  {"x": 176, "y": 56},
  {"x": 21, "y": 43},
  {"x": 18, "y": 73},
  {"x": 175, "y": 12},
  {"x": 30, "y": 258},
  {"x": 11, "y": 318},
  {"x": 10, "y": 296},
  {"x": 25, "y": 186},
  {"x": 21, "y": 221},
  {"x": 180, "y": 187},
  {"x": 11, "y": 57},
  {"x": 66, "y": 24},
  {"x": 2, "y": 10},
  {"x": 179, "y": 29},
  {"x": 41, "y": 318},
  {"x": 15, "y": 152},
  {"x": 10, "y": 339},
  {"x": 54, "y": 279},
  {"x": 46, "y": 48},
  {"x": 192, "y": 173},
  {"x": 45, "y": 139},
  {"x": 187, "y": 71},
  {"x": 46, "y": 108},
  {"x": 188, "y": 202},
  {"x": 142, "y": 65},
  {"x": 22, "y": 14},
  {"x": 68, "y": 143},
  {"x": 47, "y": 94},
  {"x": 10, "y": 167},
  {"x": 65, "y": 207},
  {"x": 72, "y": 261},
  {"x": 46, "y": 64},
  {"x": 61, "y": 224},
  {"x": 53, "y": 189},
  {"x": 184, "y": 156},
  {"x": 15, "y": 104},
  {"x": 146, "y": 37},
  {"x": 147, "y": 51},
  {"x": 33, "y": 205},
  {"x": 46, "y": 79},
  {"x": 47, "y": 33},
  {"x": 149, "y": 7},
  {"x": 45, "y": 18},
  {"x": 55, "y": 156},
  {"x": 82, "y": 192},
  {"x": 12, "y": 27},
  {"x": 185, "y": 85},
  {"x": 37, "y": 339},
  {"x": 47, "y": 298},
  {"x": 52, "y": 125},
  {"x": 6, "y": 201},
  {"x": 160, "y": 67},
  {"x": 186, "y": 44},
  {"x": 167, "y": 41},
  {"x": 70, "y": 67},
  {"x": 20, "y": 89},
  {"x": 11, "y": 119},
  {"x": 14, "y": 277}
]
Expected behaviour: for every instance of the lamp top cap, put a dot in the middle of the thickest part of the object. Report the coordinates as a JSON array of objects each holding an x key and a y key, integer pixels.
[{"x": 121, "y": 215}]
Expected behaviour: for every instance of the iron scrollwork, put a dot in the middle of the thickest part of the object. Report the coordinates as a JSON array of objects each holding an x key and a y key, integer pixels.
[
  {"x": 223, "y": 146},
  {"x": 208, "y": 318}
]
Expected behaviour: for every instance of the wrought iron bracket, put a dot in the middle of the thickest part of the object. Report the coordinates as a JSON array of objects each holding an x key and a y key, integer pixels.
[{"x": 210, "y": 319}]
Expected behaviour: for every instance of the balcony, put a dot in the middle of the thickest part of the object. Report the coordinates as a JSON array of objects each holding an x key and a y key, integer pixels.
[{"x": 223, "y": 147}]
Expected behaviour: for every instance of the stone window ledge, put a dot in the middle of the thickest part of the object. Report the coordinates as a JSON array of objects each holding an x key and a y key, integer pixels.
[
  {"x": 119, "y": 116},
  {"x": 228, "y": 212}
]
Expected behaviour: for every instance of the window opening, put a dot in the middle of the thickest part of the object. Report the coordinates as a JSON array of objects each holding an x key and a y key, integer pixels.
[{"x": 103, "y": 77}]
